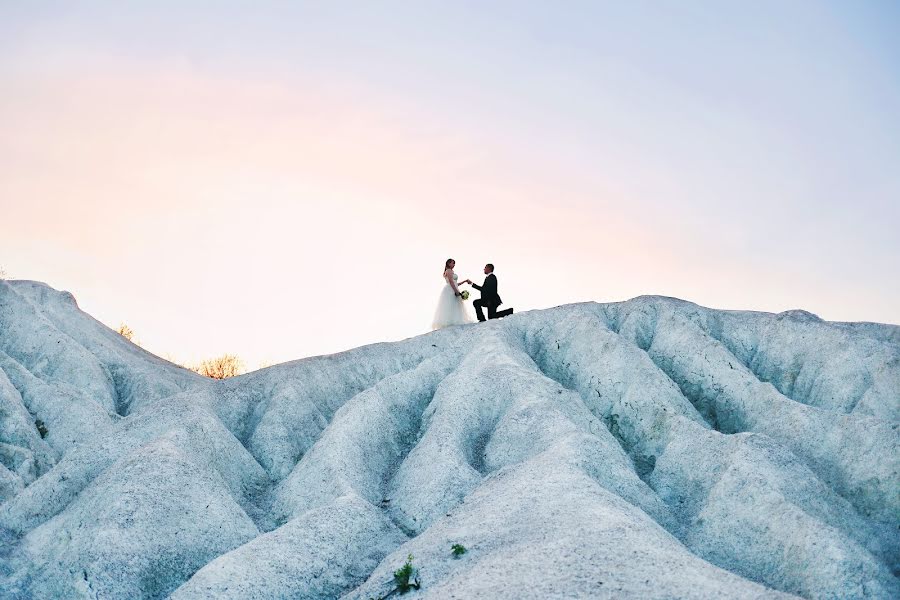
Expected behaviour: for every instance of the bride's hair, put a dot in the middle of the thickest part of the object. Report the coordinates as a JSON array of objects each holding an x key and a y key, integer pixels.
[{"x": 447, "y": 264}]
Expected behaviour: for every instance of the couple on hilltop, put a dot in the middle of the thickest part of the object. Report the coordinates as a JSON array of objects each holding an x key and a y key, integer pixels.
[{"x": 451, "y": 308}]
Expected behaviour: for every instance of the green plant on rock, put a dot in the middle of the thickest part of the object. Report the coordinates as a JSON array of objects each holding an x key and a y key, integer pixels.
[
  {"x": 458, "y": 550},
  {"x": 404, "y": 574},
  {"x": 401, "y": 579}
]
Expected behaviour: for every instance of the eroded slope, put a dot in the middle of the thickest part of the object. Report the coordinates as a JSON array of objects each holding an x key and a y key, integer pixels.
[{"x": 637, "y": 449}]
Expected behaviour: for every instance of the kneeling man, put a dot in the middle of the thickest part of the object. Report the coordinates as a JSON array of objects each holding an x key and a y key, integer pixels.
[{"x": 489, "y": 296}]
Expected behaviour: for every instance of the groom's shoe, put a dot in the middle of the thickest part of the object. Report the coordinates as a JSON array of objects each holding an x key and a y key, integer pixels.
[{"x": 504, "y": 313}]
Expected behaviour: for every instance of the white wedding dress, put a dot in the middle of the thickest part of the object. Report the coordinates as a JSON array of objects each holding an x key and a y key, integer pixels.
[{"x": 451, "y": 309}]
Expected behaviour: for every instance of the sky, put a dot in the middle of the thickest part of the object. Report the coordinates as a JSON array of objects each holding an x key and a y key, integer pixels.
[{"x": 285, "y": 179}]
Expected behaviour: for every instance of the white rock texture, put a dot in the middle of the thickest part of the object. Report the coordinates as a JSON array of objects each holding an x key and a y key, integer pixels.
[{"x": 645, "y": 449}]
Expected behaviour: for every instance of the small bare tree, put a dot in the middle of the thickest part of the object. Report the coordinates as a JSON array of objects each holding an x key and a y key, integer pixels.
[
  {"x": 126, "y": 332},
  {"x": 222, "y": 367}
]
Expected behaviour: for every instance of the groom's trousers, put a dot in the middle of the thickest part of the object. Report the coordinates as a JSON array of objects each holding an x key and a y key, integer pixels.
[
  {"x": 493, "y": 313},
  {"x": 492, "y": 309}
]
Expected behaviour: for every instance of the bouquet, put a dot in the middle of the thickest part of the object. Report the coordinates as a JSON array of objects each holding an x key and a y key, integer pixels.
[{"x": 464, "y": 294}]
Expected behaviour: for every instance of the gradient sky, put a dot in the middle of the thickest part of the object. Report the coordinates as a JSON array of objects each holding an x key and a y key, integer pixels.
[{"x": 285, "y": 179}]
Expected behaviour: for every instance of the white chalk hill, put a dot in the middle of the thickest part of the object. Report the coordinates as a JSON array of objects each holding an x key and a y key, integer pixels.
[{"x": 643, "y": 449}]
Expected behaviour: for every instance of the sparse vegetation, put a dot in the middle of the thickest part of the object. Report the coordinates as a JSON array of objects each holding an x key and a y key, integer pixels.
[
  {"x": 404, "y": 574},
  {"x": 222, "y": 367},
  {"x": 401, "y": 579},
  {"x": 126, "y": 332},
  {"x": 458, "y": 550},
  {"x": 40, "y": 427},
  {"x": 3, "y": 274}
]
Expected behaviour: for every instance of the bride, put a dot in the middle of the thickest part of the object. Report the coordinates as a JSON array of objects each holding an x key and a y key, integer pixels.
[{"x": 451, "y": 309}]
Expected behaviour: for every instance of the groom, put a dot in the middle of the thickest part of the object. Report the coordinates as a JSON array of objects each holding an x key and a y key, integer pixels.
[{"x": 489, "y": 296}]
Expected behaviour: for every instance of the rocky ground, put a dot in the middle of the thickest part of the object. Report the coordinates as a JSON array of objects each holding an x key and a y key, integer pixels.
[{"x": 646, "y": 449}]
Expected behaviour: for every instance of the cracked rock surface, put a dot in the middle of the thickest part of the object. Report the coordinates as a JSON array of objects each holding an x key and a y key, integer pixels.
[{"x": 645, "y": 449}]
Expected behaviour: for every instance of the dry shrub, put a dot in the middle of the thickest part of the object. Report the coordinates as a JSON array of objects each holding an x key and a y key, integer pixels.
[
  {"x": 222, "y": 367},
  {"x": 126, "y": 332}
]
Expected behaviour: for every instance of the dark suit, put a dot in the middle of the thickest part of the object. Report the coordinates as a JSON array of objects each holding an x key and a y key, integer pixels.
[{"x": 489, "y": 298}]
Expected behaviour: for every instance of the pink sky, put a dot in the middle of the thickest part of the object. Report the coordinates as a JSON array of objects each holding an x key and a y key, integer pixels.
[{"x": 279, "y": 217}]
